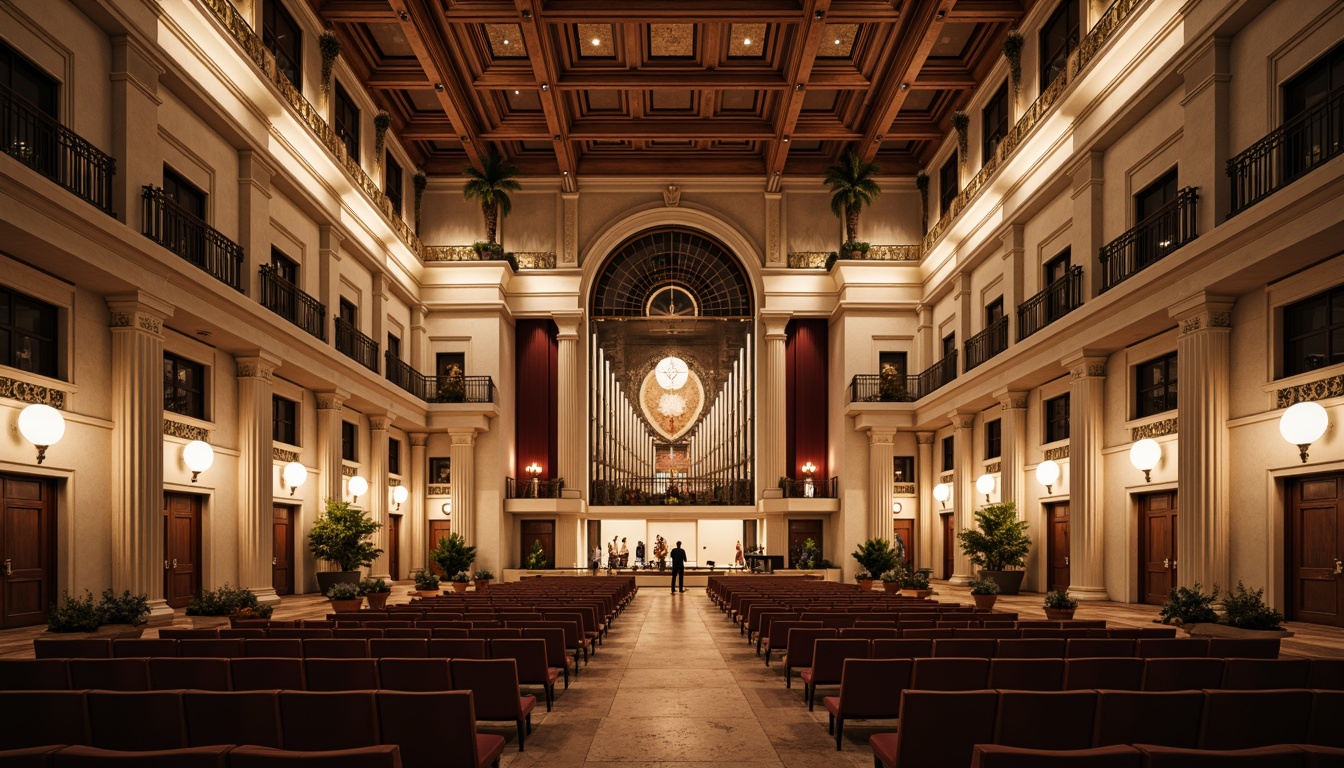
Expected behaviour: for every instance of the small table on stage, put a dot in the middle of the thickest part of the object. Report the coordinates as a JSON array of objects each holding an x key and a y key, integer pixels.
[{"x": 767, "y": 563}]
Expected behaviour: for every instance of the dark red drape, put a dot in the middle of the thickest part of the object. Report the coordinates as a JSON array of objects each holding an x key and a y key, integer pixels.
[
  {"x": 805, "y": 396},
  {"x": 535, "y": 391}
]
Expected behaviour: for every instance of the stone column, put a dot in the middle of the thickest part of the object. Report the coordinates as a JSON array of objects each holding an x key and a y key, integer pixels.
[
  {"x": 376, "y": 504},
  {"x": 378, "y": 317},
  {"x": 773, "y": 417},
  {"x": 881, "y": 450},
  {"x": 1086, "y": 174},
  {"x": 462, "y": 464},
  {"x": 776, "y": 536},
  {"x": 329, "y": 276},
  {"x": 135, "y": 116},
  {"x": 1204, "y": 140},
  {"x": 1014, "y": 289},
  {"x": 924, "y": 340},
  {"x": 924, "y": 487},
  {"x": 963, "y": 489},
  {"x": 254, "y": 217},
  {"x": 1203, "y": 537},
  {"x": 1013, "y": 438},
  {"x": 329, "y": 474},
  {"x": 1087, "y": 493},
  {"x": 419, "y": 342},
  {"x": 417, "y": 519},
  {"x": 256, "y": 473},
  {"x": 571, "y": 396},
  {"x": 137, "y": 447}
]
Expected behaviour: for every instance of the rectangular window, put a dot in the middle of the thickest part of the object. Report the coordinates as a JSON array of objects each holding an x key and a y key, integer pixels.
[
  {"x": 1059, "y": 37},
  {"x": 1314, "y": 84},
  {"x": 283, "y": 36},
  {"x": 29, "y": 83},
  {"x": 394, "y": 456},
  {"x": 993, "y": 439},
  {"x": 28, "y": 331},
  {"x": 187, "y": 196},
  {"x": 286, "y": 268},
  {"x": 392, "y": 182},
  {"x": 1155, "y": 386},
  {"x": 183, "y": 386},
  {"x": 284, "y": 420},
  {"x": 994, "y": 123},
  {"x": 903, "y": 469},
  {"x": 394, "y": 346},
  {"x": 949, "y": 453},
  {"x": 444, "y": 362},
  {"x": 349, "y": 441},
  {"x": 896, "y": 360},
  {"x": 1154, "y": 196},
  {"x": 993, "y": 311},
  {"x": 1313, "y": 332},
  {"x": 1057, "y": 419},
  {"x": 949, "y": 345},
  {"x": 346, "y": 122},
  {"x": 348, "y": 312},
  {"x": 948, "y": 179}
]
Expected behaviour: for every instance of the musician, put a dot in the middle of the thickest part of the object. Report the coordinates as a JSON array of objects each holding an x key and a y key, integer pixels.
[
  {"x": 738, "y": 559},
  {"x": 625, "y": 553}
]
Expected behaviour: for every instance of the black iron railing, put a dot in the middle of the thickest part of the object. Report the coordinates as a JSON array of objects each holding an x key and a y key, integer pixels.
[
  {"x": 355, "y": 345},
  {"x": 55, "y": 151},
  {"x": 1288, "y": 153},
  {"x": 537, "y": 488},
  {"x": 876, "y": 388},
  {"x": 938, "y": 374},
  {"x": 821, "y": 487},
  {"x": 178, "y": 230},
  {"x": 674, "y": 491},
  {"x": 1148, "y": 242},
  {"x": 1057, "y": 300},
  {"x": 987, "y": 343},
  {"x": 439, "y": 389},
  {"x": 286, "y": 300}
]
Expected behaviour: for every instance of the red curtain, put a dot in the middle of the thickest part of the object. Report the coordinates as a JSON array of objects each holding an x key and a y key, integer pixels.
[
  {"x": 805, "y": 396},
  {"x": 535, "y": 392}
]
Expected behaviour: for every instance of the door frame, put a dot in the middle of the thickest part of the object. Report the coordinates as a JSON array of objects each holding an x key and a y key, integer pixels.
[
  {"x": 200, "y": 501},
  {"x": 1284, "y": 524},
  {"x": 1048, "y": 514},
  {"x": 52, "y": 496},
  {"x": 1139, "y": 544},
  {"x": 295, "y": 510}
]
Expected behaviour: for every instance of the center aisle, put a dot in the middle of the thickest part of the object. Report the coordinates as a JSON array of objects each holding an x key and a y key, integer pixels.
[{"x": 675, "y": 685}]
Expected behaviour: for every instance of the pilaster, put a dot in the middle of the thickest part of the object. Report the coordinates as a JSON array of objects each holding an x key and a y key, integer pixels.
[
  {"x": 329, "y": 276},
  {"x": 462, "y": 493},
  {"x": 1086, "y": 229},
  {"x": 774, "y": 228},
  {"x": 378, "y": 490},
  {"x": 924, "y": 488},
  {"x": 965, "y": 311},
  {"x": 571, "y": 396},
  {"x": 881, "y": 450},
  {"x": 569, "y": 252},
  {"x": 774, "y": 418},
  {"x": 254, "y": 217},
  {"x": 419, "y": 341},
  {"x": 135, "y": 117},
  {"x": 963, "y": 488},
  {"x": 1204, "y": 135},
  {"x": 924, "y": 338},
  {"x": 418, "y": 516},
  {"x": 256, "y": 473},
  {"x": 1087, "y": 494},
  {"x": 378, "y": 326},
  {"x": 329, "y": 410},
  {"x": 1013, "y": 439},
  {"x": 1014, "y": 289}
]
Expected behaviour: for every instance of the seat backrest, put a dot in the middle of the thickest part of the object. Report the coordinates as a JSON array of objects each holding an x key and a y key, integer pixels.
[
  {"x": 381, "y": 756},
  {"x": 400, "y": 674},
  {"x": 34, "y": 675},
  {"x": 494, "y": 684},
  {"x": 68, "y": 648},
  {"x": 902, "y": 648},
  {"x": 240, "y": 717},
  {"x": 311, "y": 720},
  {"x": 1171, "y": 647},
  {"x": 403, "y": 648},
  {"x": 172, "y": 633},
  {"x": 273, "y": 648},
  {"x": 242, "y": 634},
  {"x": 109, "y": 674},
  {"x": 322, "y": 674},
  {"x": 336, "y": 648},
  {"x": 1244, "y": 647},
  {"x": 965, "y": 647},
  {"x": 457, "y": 648},
  {"x": 872, "y": 687},
  {"x": 227, "y": 648},
  {"x": 38, "y": 718},
  {"x": 870, "y": 633},
  {"x": 501, "y": 633},
  {"x": 1030, "y": 648},
  {"x": 997, "y": 756},
  {"x": 1113, "y": 673},
  {"x": 450, "y": 743},
  {"x": 266, "y": 674},
  {"x": 1046, "y": 719},
  {"x": 143, "y": 648},
  {"x": 1326, "y": 674},
  {"x": 555, "y": 644},
  {"x": 778, "y": 639},
  {"x": 386, "y": 624},
  {"x": 1083, "y": 647},
  {"x": 1134, "y": 717},
  {"x": 1244, "y": 719},
  {"x": 528, "y": 655},
  {"x": 174, "y": 673},
  {"x": 1182, "y": 674},
  {"x": 304, "y": 633},
  {"x": 1277, "y": 756},
  {"x": 933, "y": 634},
  {"x": 939, "y": 729},
  {"x": 409, "y": 633},
  {"x": 993, "y": 633},
  {"x": 801, "y": 643},
  {"x": 1261, "y": 674},
  {"x": 950, "y": 674},
  {"x": 117, "y": 720},
  {"x": 189, "y": 757},
  {"x": 1026, "y": 674},
  {"x": 828, "y": 659},
  {"x": 356, "y": 633},
  {"x": 1327, "y": 712}
]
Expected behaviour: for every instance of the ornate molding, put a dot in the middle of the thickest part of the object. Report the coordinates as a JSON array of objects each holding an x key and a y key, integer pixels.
[
  {"x": 136, "y": 319},
  {"x": 535, "y": 259},
  {"x": 1218, "y": 318},
  {"x": 255, "y": 371},
  {"x": 808, "y": 259},
  {"x": 924, "y": 438},
  {"x": 329, "y": 401},
  {"x": 963, "y": 421},
  {"x": 892, "y": 253},
  {"x": 1088, "y": 370},
  {"x": 450, "y": 253},
  {"x": 284, "y": 455},
  {"x": 349, "y": 471},
  {"x": 571, "y": 230},
  {"x": 440, "y": 490},
  {"x": 467, "y": 439},
  {"x": 185, "y": 431},
  {"x": 1055, "y": 454},
  {"x": 1311, "y": 391},
  {"x": 946, "y": 477},
  {"x": 881, "y": 438},
  {"x": 903, "y": 489},
  {"x": 1012, "y": 402},
  {"x": 419, "y": 439},
  {"x": 26, "y": 392},
  {"x": 672, "y": 196},
  {"x": 994, "y": 468},
  {"x": 772, "y": 230},
  {"x": 379, "y": 423},
  {"x": 1156, "y": 429},
  {"x": 393, "y": 482}
]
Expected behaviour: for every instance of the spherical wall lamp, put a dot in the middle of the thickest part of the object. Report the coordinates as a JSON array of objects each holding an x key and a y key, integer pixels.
[
  {"x": 1047, "y": 474},
  {"x": 942, "y": 492},
  {"x": 896, "y": 507},
  {"x": 358, "y": 487},
  {"x": 294, "y": 474},
  {"x": 43, "y": 426},
  {"x": 1303, "y": 424},
  {"x": 985, "y": 484},
  {"x": 400, "y": 494},
  {"x": 447, "y": 508},
  {"x": 1145, "y": 455},
  {"x": 198, "y": 456}
]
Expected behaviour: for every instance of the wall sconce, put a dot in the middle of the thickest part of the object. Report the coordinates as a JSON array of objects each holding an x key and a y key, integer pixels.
[
  {"x": 942, "y": 492},
  {"x": 533, "y": 469},
  {"x": 198, "y": 456},
  {"x": 1302, "y": 424},
  {"x": 43, "y": 426},
  {"x": 294, "y": 475},
  {"x": 896, "y": 507},
  {"x": 1047, "y": 473},
  {"x": 358, "y": 487},
  {"x": 1144, "y": 455},
  {"x": 400, "y": 494},
  {"x": 809, "y": 488},
  {"x": 985, "y": 484}
]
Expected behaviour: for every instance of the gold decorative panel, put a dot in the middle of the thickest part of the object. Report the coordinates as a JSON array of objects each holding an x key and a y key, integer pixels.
[
  {"x": 1156, "y": 429},
  {"x": 1314, "y": 390},
  {"x": 284, "y": 455},
  {"x": 595, "y": 41},
  {"x": 747, "y": 40},
  {"x": 185, "y": 431},
  {"x": 839, "y": 41},
  {"x": 667, "y": 41},
  {"x": 506, "y": 41},
  {"x": 31, "y": 393},
  {"x": 1055, "y": 454},
  {"x": 903, "y": 489}
]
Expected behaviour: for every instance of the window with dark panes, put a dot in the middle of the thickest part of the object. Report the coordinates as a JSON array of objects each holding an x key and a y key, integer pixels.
[
  {"x": 444, "y": 362},
  {"x": 949, "y": 345},
  {"x": 1059, "y": 302},
  {"x": 348, "y": 312},
  {"x": 948, "y": 181},
  {"x": 1313, "y": 332},
  {"x": 994, "y": 125},
  {"x": 394, "y": 456},
  {"x": 286, "y": 268},
  {"x": 349, "y": 441},
  {"x": 29, "y": 95},
  {"x": 28, "y": 329},
  {"x": 183, "y": 386},
  {"x": 284, "y": 420},
  {"x": 1058, "y": 38},
  {"x": 1057, "y": 419},
  {"x": 188, "y": 196},
  {"x": 903, "y": 469},
  {"x": 949, "y": 453},
  {"x": 283, "y": 37},
  {"x": 1154, "y": 196},
  {"x": 1155, "y": 386},
  {"x": 392, "y": 182},
  {"x": 24, "y": 80},
  {"x": 993, "y": 311},
  {"x": 394, "y": 346},
  {"x": 993, "y": 439},
  {"x": 1309, "y": 141},
  {"x": 346, "y": 122}
]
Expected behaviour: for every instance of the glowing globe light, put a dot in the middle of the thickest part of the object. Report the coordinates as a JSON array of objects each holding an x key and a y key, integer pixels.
[
  {"x": 198, "y": 456},
  {"x": 1303, "y": 424},
  {"x": 43, "y": 426},
  {"x": 1144, "y": 455},
  {"x": 1047, "y": 473},
  {"x": 294, "y": 475}
]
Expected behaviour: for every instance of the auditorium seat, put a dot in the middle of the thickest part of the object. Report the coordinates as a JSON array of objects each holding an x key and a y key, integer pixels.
[
  {"x": 776, "y": 641},
  {"x": 1182, "y": 674},
  {"x": 1169, "y": 718},
  {"x": 257, "y": 647},
  {"x": 304, "y": 633},
  {"x": 555, "y": 647},
  {"x": 143, "y": 648},
  {"x": 34, "y": 675},
  {"x": 266, "y": 674},
  {"x": 355, "y": 633},
  {"x": 409, "y": 633},
  {"x": 336, "y": 648},
  {"x": 213, "y": 717},
  {"x": 1046, "y": 719},
  {"x": 800, "y": 648},
  {"x": 950, "y": 674},
  {"x": 1244, "y": 647},
  {"x": 529, "y": 656},
  {"x": 964, "y": 648},
  {"x": 1327, "y": 713},
  {"x": 68, "y": 648},
  {"x": 1092, "y": 647},
  {"x": 902, "y": 648},
  {"x": 1327, "y": 674},
  {"x": 1245, "y": 719},
  {"x": 174, "y": 633},
  {"x": 39, "y": 718},
  {"x": 1168, "y": 648},
  {"x": 328, "y": 720},
  {"x": 380, "y": 756},
  {"x": 494, "y": 685},
  {"x": 449, "y": 632},
  {"x": 327, "y": 674},
  {"x": 1264, "y": 673},
  {"x": 188, "y": 757},
  {"x": 939, "y": 729},
  {"x": 828, "y": 663},
  {"x": 869, "y": 633},
  {"x": 220, "y": 648},
  {"x": 1277, "y": 756},
  {"x": 201, "y": 673},
  {"x": 402, "y": 648},
  {"x": 870, "y": 689},
  {"x": 30, "y": 757},
  {"x": 1030, "y": 648},
  {"x": 452, "y": 742},
  {"x": 998, "y": 756},
  {"x": 1026, "y": 674},
  {"x": 1120, "y": 673},
  {"x": 117, "y": 720},
  {"x": 109, "y": 674},
  {"x": 414, "y": 674},
  {"x": 457, "y": 648}
]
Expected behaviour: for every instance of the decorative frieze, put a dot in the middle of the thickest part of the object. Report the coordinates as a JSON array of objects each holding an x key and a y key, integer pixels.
[
  {"x": 393, "y": 482},
  {"x": 185, "y": 431},
  {"x": 808, "y": 259},
  {"x": 1013, "y": 401},
  {"x": 349, "y": 471},
  {"x": 672, "y": 196},
  {"x": 26, "y": 392},
  {"x": 946, "y": 477},
  {"x": 994, "y": 468},
  {"x": 284, "y": 455},
  {"x": 903, "y": 489},
  {"x": 1156, "y": 429},
  {"x": 1311, "y": 391},
  {"x": 440, "y": 490},
  {"x": 1055, "y": 454},
  {"x": 535, "y": 259}
]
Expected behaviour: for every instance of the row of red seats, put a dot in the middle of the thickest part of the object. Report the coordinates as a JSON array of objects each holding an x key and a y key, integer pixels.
[
  {"x": 218, "y": 756},
  {"x": 432, "y": 730},
  {"x": 780, "y": 632},
  {"x": 1155, "y": 756}
]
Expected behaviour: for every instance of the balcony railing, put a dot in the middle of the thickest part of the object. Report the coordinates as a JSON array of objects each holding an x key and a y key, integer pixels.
[
  {"x": 938, "y": 374},
  {"x": 439, "y": 389},
  {"x": 533, "y": 489},
  {"x": 55, "y": 151},
  {"x": 1151, "y": 240},
  {"x": 672, "y": 491},
  {"x": 286, "y": 300},
  {"x": 203, "y": 246},
  {"x": 987, "y": 343},
  {"x": 355, "y": 345},
  {"x": 1288, "y": 153},
  {"x": 876, "y": 388},
  {"x": 1057, "y": 300},
  {"x": 821, "y": 487}
]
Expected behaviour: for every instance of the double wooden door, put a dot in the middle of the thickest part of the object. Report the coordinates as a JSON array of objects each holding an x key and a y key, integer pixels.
[
  {"x": 27, "y": 550},
  {"x": 534, "y": 531},
  {"x": 1157, "y": 546},
  {"x": 799, "y": 532},
  {"x": 181, "y": 548},
  {"x": 282, "y": 550},
  {"x": 1315, "y": 536},
  {"x": 1057, "y": 545}
]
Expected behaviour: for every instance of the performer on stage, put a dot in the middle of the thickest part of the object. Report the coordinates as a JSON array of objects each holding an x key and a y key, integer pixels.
[
  {"x": 738, "y": 559},
  {"x": 625, "y": 553}
]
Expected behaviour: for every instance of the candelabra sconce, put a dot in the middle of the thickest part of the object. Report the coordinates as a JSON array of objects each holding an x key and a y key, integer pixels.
[
  {"x": 533, "y": 485},
  {"x": 447, "y": 508},
  {"x": 809, "y": 487}
]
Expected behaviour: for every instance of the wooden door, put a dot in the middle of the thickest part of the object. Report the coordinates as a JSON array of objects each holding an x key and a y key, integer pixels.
[
  {"x": 904, "y": 529},
  {"x": 1057, "y": 545},
  {"x": 538, "y": 530},
  {"x": 181, "y": 548},
  {"x": 949, "y": 546},
  {"x": 799, "y": 532},
  {"x": 1157, "y": 546},
  {"x": 394, "y": 546},
  {"x": 437, "y": 530},
  {"x": 282, "y": 550},
  {"x": 27, "y": 551},
  {"x": 1316, "y": 549}
]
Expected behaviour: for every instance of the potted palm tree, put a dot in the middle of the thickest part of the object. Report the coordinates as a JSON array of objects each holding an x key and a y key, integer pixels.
[
  {"x": 454, "y": 558},
  {"x": 852, "y": 190},
  {"x": 491, "y": 185},
  {"x": 875, "y": 556},
  {"x": 999, "y": 546},
  {"x": 341, "y": 536}
]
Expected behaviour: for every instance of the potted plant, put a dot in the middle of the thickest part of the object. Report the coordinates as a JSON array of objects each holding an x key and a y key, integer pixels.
[
  {"x": 1188, "y": 605},
  {"x": 426, "y": 583},
  {"x": 891, "y": 580},
  {"x": 916, "y": 584},
  {"x": 376, "y": 591},
  {"x": 75, "y": 616},
  {"x": 482, "y": 577},
  {"x": 852, "y": 190},
  {"x": 123, "y": 615},
  {"x": 876, "y": 556},
  {"x": 224, "y": 605},
  {"x": 999, "y": 546},
  {"x": 984, "y": 592},
  {"x": 491, "y": 185},
  {"x": 345, "y": 597},
  {"x": 864, "y": 579},
  {"x": 452, "y": 386},
  {"x": 460, "y": 581},
  {"x": 1246, "y": 614},
  {"x": 536, "y": 559},
  {"x": 341, "y": 536},
  {"x": 453, "y": 556},
  {"x": 1059, "y": 606}
]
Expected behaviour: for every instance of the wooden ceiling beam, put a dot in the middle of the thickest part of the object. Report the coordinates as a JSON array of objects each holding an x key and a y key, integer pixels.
[
  {"x": 938, "y": 78},
  {"x": 648, "y": 129},
  {"x": 988, "y": 11},
  {"x": 919, "y": 33},
  {"x": 913, "y": 128},
  {"x": 864, "y": 11},
  {"x": 428, "y": 129},
  {"x": 424, "y": 35},
  {"x": 356, "y": 11},
  {"x": 398, "y": 75},
  {"x": 511, "y": 78},
  {"x": 674, "y": 11},
  {"x": 481, "y": 12},
  {"x": 799, "y": 69},
  {"x": 519, "y": 128},
  {"x": 546, "y": 70}
]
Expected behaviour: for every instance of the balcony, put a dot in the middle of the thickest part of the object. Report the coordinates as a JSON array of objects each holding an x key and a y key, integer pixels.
[
  {"x": 672, "y": 491},
  {"x": 876, "y": 388},
  {"x": 1287, "y": 154},
  {"x": 439, "y": 389},
  {"x": 1057, "y": 300},
  {"x": 286, "y": 300},
  {"x": 938, "y": 374},
  {"x": 987, "y": 343},
  {"x": 821, "y": 487},
  {"x": 355, "y": 345},
  {"x": 203, "y": 246},
  {"x": 1150, "y": 241},
  {"x": 55, "y": 151}
]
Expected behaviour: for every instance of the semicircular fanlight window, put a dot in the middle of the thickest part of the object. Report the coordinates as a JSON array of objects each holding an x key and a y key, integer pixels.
[{"x": 635, "y": 282}]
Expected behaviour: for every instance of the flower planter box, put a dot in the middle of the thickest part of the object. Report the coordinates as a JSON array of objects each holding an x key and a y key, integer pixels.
[
  {"x": 482, "y": 585},
  {"x": 105, "y": 632},
  {"x": 1209, "y": 629},
  {"x": 347, "y": 606},
  {"x": 459, "y": 586},
  {"x": 1010, "y": 582},
  {"x": 1059, "y": 614},
  {"x": 920, "y": 593},
  {"x": 427, "y": 592},
  {"x": 209, "y": 622}
]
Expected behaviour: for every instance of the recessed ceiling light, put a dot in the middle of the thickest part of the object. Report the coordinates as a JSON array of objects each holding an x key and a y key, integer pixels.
[
  {"x": 515, "y": 93},
  {"x": 746, "y": 41},
  {"x": 837, "y": 41},
  {"x": 506, "y": 41},
  {"x": 597, "y": 41}
]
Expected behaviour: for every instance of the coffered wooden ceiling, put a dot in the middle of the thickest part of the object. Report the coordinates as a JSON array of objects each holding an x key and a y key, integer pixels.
[{"x": 671, "y": 87}]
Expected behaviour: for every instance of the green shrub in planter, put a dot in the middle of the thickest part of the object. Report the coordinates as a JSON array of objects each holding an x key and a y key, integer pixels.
[
  {"x": 461, "y": 577},
  {"x": 1188, "y": 605},
  {"x": 342, "y": 536},
  {"x": 226, "y": 600},
  {"x": 124, "y": 608},
  {"x": 877, "y": 556},
  {"x": 915, "y": 580},
  {"x": 343, "y": 590},
  {"x": 983, "y": 587},
  {"x": 1059, "y": 600},
  {"x": 374, "y": 586},
  {"x": 483, "y": 575},
  {"x": 1247, "y": 609},
  {"x": 452, "y": 554},
  {"x": 536, "y": 559},
  {"x": 74, "y": 614},
  {"x": 426, "y": 580}
]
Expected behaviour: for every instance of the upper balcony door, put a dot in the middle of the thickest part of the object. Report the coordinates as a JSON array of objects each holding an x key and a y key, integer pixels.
[
  {"x": 287, "y": 270},
  {"x": 1055, "y": 270},
  {"x": 1310, "y": 141},
  {"x": 1153, "y": 242}
]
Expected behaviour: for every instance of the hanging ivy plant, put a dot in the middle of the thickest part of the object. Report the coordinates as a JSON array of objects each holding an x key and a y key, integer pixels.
[
  {"x": 419, "y": 181},
  {"x": 330, "y": 46},
  {"x": 961, "y": 122},
  {"x": 1012, "y": 51},
  {"x": 922, "y": 183},
  {"x": 381, "y": 122}
]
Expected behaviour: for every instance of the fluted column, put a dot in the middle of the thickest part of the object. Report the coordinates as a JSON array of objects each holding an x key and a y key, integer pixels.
[
  {"x": 329, "y": 444},
  {"x": 256, "y": 474},
  {"x": 1087, "y": 499},
  {"x": 774, "y": 420},
  {"x": 881, "y": 450},
  {"x": 137, "y": 447},
  {"x": 378, "y": 490},
  {"x": 924, "y": 487},
  {"x": 1013, "y": 439},
  {"x": 963, "y": 489},
  {"x": 418, "y": 517},
  {"x": 571, "y": 386},
  {"x": 462, "y": 463},
  {"x": 1203, "y": 536}
]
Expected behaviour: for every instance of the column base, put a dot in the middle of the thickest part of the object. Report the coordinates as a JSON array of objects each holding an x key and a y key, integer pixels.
[
  {"x": 266, "y": 595},
  {"x": 960, "y": 580},
  {"x": 385, "y": 576},
  {"x": 1088, "y": 594},
  {"x": 160, "y": 615}
]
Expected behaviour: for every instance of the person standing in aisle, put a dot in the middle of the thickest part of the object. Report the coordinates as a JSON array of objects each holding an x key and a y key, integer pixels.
[{"x": 678, "y": 568}]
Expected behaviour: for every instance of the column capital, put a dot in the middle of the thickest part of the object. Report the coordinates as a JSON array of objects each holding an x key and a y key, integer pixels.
[
  {"x": 379, "y": 422},
  {"x": 775, "y": 322},
  {"x": 962, "y": 419},
  {"x": 418, "y": 439},
  {"x": 1203, "y": 311},
  {"x": 1087, "y": 364},
  {"x": 463, "y": 438},
  {"x": 567, "y": 323},
  {"x": 924, "y": 438},
  {"x": 331, "y": 400},
  {"x": 879, "y": 437},
  {"x": 138, "y": 310},
  {"x": 1012, "y": 399},
  {"x": 259, "y": 364}
]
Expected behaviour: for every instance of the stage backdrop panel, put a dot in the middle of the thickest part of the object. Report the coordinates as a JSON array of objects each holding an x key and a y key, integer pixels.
[
  {"x": 673, "y": 531},
  {"x": 718, "y": 541}
]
